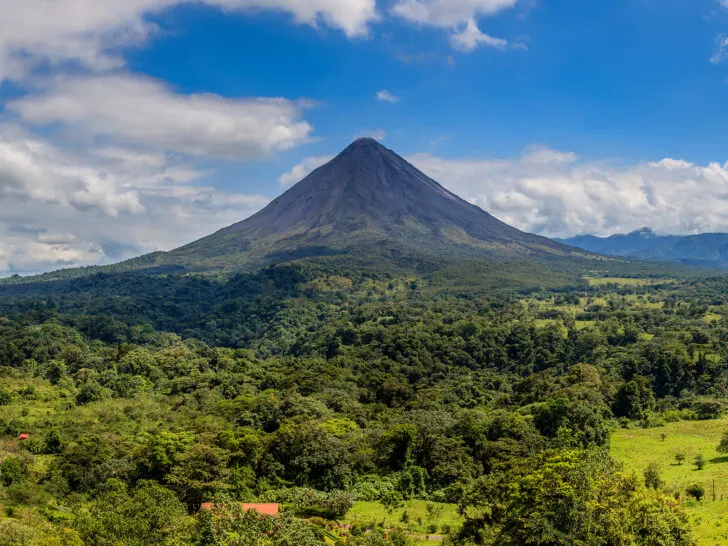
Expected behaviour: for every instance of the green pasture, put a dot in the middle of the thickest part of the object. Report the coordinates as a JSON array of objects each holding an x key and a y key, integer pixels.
[
  {"x": 422, "y": 525},
  {"x": 638, "y": 448}
]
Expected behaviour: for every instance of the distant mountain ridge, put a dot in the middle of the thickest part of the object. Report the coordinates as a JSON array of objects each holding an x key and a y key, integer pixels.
[{"x": 707, "y": 249}]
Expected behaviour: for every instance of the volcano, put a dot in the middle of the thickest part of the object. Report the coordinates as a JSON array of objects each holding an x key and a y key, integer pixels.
[{"x": 368, "y": 197}]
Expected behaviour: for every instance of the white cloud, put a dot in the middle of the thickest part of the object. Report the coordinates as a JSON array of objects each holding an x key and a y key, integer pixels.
[
  {"x": 32, "y": 170},
  {"x": 58, "y": 209},
  {"x": 448, "y": 13},
  {"x": 352, "y": 16},
  {"x": 90, "y": 32},
  {"x": 552, "y": 193},
  {"x": 386, "y": 96},
  {"x": 538, "y": 155},
  {"x": 471, "y": 37},
  {"x": 142, "y": 111},
  {"x": 722, "y": 49},
  {"x": 302, "y": 170},
  {"x": 459, "y": 16}
]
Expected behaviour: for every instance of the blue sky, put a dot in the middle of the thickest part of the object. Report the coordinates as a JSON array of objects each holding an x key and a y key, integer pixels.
[
  {"x": 137, "y": 125},
  {"x": 631, "y": 79}
]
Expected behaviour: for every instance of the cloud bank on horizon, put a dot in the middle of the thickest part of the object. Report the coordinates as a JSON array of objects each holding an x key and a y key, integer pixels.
[{"x": 104, "y": 156}]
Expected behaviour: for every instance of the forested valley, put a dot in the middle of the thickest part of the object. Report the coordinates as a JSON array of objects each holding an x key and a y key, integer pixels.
[{"x": 375, "y": 409}]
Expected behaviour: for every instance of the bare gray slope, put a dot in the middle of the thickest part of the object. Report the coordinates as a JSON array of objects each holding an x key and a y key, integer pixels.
[{"x": 366, "y": 195}]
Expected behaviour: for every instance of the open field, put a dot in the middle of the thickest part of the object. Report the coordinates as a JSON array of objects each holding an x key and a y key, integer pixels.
[
  {"x": 638, "y": 448},
  {"x": 420, "y": 523},
  {"x": 628, "y": 281}
]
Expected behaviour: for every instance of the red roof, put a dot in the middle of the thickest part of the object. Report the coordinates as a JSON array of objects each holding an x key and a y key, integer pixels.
[
  {"x": 267, "y": 509},
  {"x": 23, "y": 436}
]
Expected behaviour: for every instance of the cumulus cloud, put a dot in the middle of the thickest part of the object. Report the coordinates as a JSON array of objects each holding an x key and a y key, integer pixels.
[
  {"x": 59, "y": 209},
  {"x": 302, "y": 170},
  {"x": 386, "y": 96},
  {"x": 459, "y": 16},
  {"x": 31, "y": 170},
  {"x": 142, "y": 111},
  {"x": 91, "y": 32},
  {"x": 553, "y": 193},
  {"x": 352, "y": 16},
  {"x": 721, "y": 50},
  {"x": 471, "y": 37},
  {"x": 448, "y": 13}
]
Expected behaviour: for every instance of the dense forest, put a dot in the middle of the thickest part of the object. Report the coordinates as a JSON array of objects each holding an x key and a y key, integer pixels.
[{"x": 145, "y": 396}]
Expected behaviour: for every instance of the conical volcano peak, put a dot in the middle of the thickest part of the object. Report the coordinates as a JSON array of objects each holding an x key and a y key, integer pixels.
[
  {"x": 369, "y": 174},
  {"x": 366, "y": 197},
  {"x": 363, "y": 149},
  {"x": 363, "y": 141}
]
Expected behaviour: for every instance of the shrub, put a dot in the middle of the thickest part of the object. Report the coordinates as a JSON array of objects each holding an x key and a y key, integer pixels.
[
  {"x": 398, "y": 538},
  {"x": 696, "y": 490},
  {"x": 393, "y": 501},
  {"x": 53, "y": 443},
  {"x": 652, "y": 421},
  {"x": 373, "y": 488},
  {"x": 336, "y": 504},
  {"x": 12, "y": 471},
  {"x": 708, "y": 409},
  {"x": 28, "y": 392},
  {"x": 28, "y": 494},
  {"x": 359, "y": 528},
  {"x": 723, "y": 446},
  {"x": 672, "y": 416},
  {"x": 699, "y": 462},
  {"x": 5, "y": 397},
  {"x": 35, "y": 445},
  {"x": 333, "y": 505},
  {"x": 652, "y": 477}
]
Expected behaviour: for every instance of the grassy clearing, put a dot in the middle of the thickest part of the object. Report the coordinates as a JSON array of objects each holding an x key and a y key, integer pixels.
[
  {"x": 584, "y": 324},
  {"x": 420, "y": 523},
  {"x": 626, "y": 281},
  {"x": 578, "y": 324},
  {"x": 543, "y": 323},
  {"x": 637, "y": 448}
]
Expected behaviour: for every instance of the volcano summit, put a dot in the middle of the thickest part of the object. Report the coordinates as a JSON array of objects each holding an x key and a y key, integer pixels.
[{"x": 368, "y": 197}]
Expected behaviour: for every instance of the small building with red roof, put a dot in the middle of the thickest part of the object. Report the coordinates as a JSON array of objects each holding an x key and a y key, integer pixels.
[
  {"x": 23, "y": 436},
  {"x": 264, "y": 509}
]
